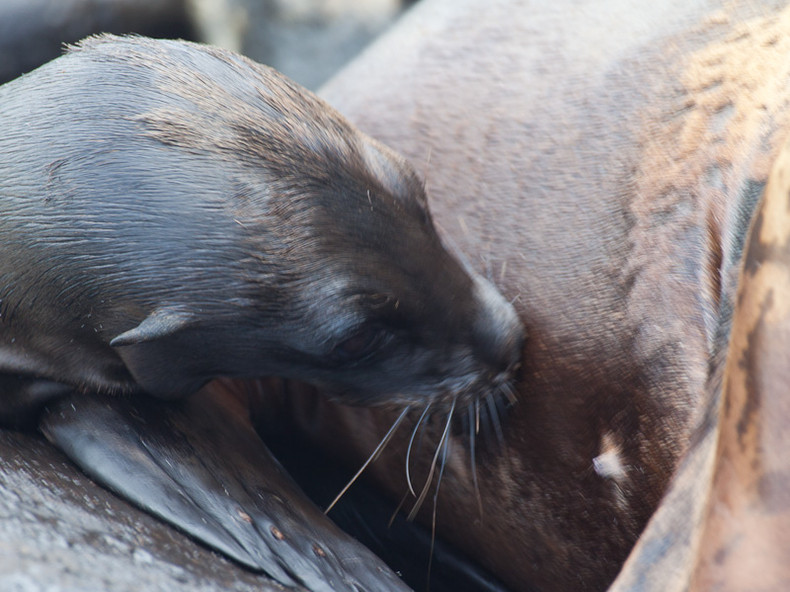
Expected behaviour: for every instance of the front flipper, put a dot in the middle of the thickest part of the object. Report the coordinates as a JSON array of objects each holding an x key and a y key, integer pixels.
[{"x": 200, "y": 465}]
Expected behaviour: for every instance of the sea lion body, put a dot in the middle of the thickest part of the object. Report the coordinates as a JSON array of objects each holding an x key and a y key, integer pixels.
[
  {"x": 603, "y": 163},
  {"x": 723, "y": 524},
  {"x": 173, "y": 212}
]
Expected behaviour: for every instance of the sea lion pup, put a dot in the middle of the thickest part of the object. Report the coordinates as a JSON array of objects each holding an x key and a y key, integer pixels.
[{"x": 174, "y": 213}]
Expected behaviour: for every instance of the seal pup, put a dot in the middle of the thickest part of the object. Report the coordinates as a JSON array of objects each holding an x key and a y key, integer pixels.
[
  {"x": 278, "y": 240},
  {"x": 173, "y": 213},
  {"x": 576, "y": 129}
]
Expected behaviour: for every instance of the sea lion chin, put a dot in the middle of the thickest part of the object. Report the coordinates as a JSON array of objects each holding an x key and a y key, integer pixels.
[{"x": 190, "y": 214}]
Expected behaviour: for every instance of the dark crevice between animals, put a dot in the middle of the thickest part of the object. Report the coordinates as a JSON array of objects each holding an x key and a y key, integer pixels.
[{"x": 365, "y": 514}]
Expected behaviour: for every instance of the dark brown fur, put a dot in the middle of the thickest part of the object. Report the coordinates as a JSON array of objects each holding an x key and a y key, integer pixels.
[{"x": 173, "y": 213}]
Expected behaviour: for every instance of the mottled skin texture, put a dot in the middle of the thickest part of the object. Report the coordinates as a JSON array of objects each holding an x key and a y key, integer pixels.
[
  {"x": 724, "y": 523},
  {"x": 747, "y": 522}
]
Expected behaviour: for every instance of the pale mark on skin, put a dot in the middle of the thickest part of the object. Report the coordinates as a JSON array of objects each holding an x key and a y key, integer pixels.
[{"x": 608, "y": 464}]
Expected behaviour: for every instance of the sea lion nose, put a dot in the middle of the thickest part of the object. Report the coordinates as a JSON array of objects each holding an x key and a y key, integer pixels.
[{"x": 498, "y": 334}]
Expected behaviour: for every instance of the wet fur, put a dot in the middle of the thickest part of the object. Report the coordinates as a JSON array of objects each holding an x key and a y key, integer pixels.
[{"x": 174, "y": 212}]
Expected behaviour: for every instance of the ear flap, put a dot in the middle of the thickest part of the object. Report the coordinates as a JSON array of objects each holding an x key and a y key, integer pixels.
[
  {"x": 157, "y": 353},
  {"x": 162, "y": 323}
]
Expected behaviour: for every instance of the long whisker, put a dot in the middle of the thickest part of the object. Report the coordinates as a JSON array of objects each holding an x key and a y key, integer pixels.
[
  {"x": 384, "y": 441},
  {"x": 428, "y": 480},
  {"x": 493, "y": 413},
  {"x": 445, "y": 449},
  {"x": 408, "y": 450},
  {"x": 395, "y": 513},
  {"x": 473, "y": 462}
]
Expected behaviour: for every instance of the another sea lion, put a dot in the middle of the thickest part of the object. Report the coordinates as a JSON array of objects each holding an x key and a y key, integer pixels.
[
  {"x": 173, "y": 213},
  {"x": 604, "y": 163}
]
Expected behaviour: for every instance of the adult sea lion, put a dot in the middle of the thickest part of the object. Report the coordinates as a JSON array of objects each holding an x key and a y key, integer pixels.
[
  {"x": 173, "y": 213},
  {"x": 604, "y": 162}
]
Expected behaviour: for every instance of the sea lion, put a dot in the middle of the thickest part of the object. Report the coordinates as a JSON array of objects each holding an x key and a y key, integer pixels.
[
  {"x": 587, "y": 135},
  {"x": 621, "y": 154},
  {"x": 173, "y": 213},
  {"x": 278, "y": 241}
]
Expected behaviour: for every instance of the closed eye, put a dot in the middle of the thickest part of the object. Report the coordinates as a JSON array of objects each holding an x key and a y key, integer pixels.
[{"x": 360, "y": 345}]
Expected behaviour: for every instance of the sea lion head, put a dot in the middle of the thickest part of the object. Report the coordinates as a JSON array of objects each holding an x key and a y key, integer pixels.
[
  {"x": 378, "y": 309},
  {"x": 338, "y": 275}
]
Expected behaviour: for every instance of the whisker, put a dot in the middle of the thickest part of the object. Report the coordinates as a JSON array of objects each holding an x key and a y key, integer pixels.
[
  {"x": 408, "y": 450},
  {"x": 427, "y": 167},
  {"x": 428, "y": 480},
  {"x": 493, "y": 414},
  {"x": 384, "y": 441},
  {"x": 509, "y": 392},
  {"x": 445, "y": 449},
  {"x": 473, "y": 462},
  {"x": 395, "y": 513}
]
